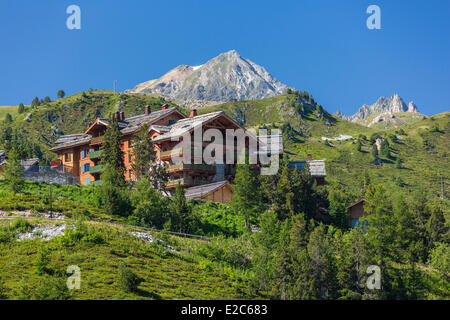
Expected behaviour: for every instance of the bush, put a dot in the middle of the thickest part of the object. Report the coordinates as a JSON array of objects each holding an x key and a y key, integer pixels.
[
  {"x": 21, "y": 225},
  {"x": 52, "y": 288},
  {"x": 82, "y": 233},
  {"x": 129, "y": 281},
  {"x": 3, "y": 290},
  {"x": 6, "y": 235},
  {"x": 42, "y": 261},
  {"x": 440, "y": 259}
]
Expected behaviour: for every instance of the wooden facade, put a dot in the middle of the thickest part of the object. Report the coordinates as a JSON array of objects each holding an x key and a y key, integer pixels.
[{"x": 167, "y": 128}]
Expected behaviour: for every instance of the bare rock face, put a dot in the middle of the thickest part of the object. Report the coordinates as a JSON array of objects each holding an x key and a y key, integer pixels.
[
  {"x": 412, "y": 107},
  {"x": 227, "y": 76},
  {"x": 393, "y": 104}
]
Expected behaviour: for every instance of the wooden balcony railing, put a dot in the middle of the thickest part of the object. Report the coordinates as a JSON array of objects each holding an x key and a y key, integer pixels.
[
  {"x": 95, "y": 154},
  {"x": 97, "y": 169},
  {"x": 192, "y": 166},
  {"x": 176, "y": 152},
  {"x": 186, "y": 182}
]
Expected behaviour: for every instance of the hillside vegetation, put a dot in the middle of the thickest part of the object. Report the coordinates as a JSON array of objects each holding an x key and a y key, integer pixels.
[{"x": 36, "y": 269}]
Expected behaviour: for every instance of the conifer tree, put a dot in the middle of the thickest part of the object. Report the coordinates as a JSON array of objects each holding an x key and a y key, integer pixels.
[
  {"x": 143, "y": 153},
  {"x": 180, "y": 208},
  {"x": 21, "y": 108},
  {"x": 113, "y": 191},
  {"x": 247, "y": 196},
  {"x": 112, "y": 150},
  {"x": 13, "y": 171}
]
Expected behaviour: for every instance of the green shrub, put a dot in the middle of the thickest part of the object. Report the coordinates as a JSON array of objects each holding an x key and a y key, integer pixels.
[
  {"x": 129, "y": 281},
  {"x": 52, "y": 288},
  {"x": 42, "y": 261},
  {"x": 6, "y": 235},
  {"x": 21, "y": 225}
]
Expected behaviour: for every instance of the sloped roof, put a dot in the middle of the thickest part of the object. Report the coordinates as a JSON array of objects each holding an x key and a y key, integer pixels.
[
  {"x": 160, "y": 129},
  {"x": 316, "y": 167},
  {"x": 203, "y": 190},
  {"x": 362, "y": 199},
  {"x": 71, "y": 140},
  {"x": 29, "y": 162},
  {"x": 128, "y": 125},
  {"x": 134, "y": 123},
  {"x": 187, "y": 124}
]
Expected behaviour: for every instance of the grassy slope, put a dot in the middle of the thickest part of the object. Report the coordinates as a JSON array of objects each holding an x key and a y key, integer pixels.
[
  {"x": 166, "y": 275},
  {"x": 7, "y": 109}
]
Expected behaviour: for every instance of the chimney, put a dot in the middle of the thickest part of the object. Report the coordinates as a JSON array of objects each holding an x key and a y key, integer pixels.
[
  {"x": 193, "y": 113},
  {"x": 122, "y": 116},
  {"x": 165, "y": 106},
  {"x": 309, "y": 158},
  {"x": 147, "y": 110}
]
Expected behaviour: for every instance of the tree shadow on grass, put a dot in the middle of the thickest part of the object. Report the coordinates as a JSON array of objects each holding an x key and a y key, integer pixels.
[{"x": 148, "y": 294}]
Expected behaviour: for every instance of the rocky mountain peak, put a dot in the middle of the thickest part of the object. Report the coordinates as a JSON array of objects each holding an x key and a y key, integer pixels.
[
  {"x": 227, "y": 76},
  {"x": 393, "y": 104}
]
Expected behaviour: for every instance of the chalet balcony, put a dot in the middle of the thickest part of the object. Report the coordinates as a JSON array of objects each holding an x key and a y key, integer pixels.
[
  {"x": 97, "y": 140},
  {"x": 186, "y": 182},
  {"x": 97, "y": 169},
  {"x": 97, "y": 182},
  {"x": 95, "y": 154},
  {"x": 166, "y": 155},
  {"x": 192, "y": 167}
]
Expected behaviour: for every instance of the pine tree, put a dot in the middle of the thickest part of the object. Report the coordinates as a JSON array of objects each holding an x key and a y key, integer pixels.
[
  {"x": 385, "y": 149},
  {"x": 180, "y": 208},
  {"x": 150, "y": 207},
  {"x": 374, "y": 152},
  {"x": 319, "y": 251},
  {"x": 112, "y": 150},
  {"x": 47, "y": 99},
  {"x": 21, "y": 108},
  {"x": 358, "y": 145},
  {"x": 247, "y": 195},
  {"x": 35, "y": 102},
  {"x": 13, "y": 171},
  {"x": 143, "y": 153},
  {"x": 61, "y": 94},
  {"x": 8, "y": 119},
  {"x": 113, "y": 191},
  {"x": 436, "y": 228},
  {"x": 114, "y": 195}
]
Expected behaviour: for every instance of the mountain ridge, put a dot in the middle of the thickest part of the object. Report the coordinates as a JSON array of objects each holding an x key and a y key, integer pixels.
[{"x": 225, "y": 77}]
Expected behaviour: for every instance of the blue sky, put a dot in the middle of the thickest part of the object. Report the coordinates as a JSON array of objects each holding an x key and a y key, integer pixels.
[{"x": 323, "y": 47}]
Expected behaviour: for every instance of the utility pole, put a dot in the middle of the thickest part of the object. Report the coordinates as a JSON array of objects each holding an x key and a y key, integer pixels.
[
  {"x": 442, "y": 187},
  {"x": 114, "y": 85}
]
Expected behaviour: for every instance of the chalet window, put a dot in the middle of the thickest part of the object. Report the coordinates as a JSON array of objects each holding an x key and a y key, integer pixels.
[
  {"x": 87, "y": 180},
  {"x": 85, "y": 168},
  {"x": 130, "y": 157},
  {"x": 67, "y": 157},
  {"x": 83, "y": 154},
  {"x": 131, "y": 174}
]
